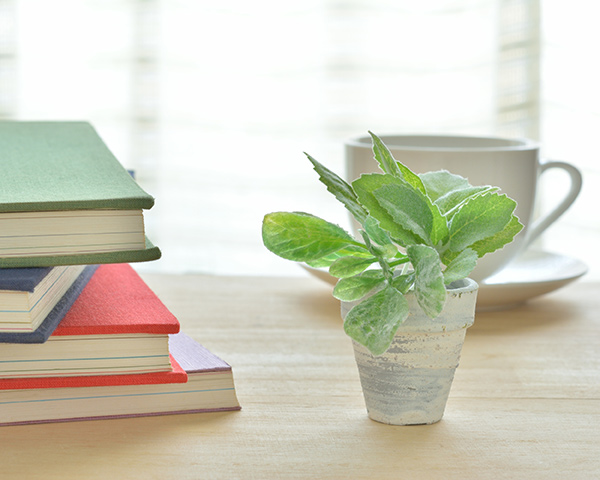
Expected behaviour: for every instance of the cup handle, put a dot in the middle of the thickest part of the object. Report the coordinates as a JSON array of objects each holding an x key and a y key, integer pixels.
[{"x": 543, "y": 223}]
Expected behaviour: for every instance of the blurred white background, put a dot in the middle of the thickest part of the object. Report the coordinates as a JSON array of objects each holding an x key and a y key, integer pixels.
[{"x": 213, "y": 103}]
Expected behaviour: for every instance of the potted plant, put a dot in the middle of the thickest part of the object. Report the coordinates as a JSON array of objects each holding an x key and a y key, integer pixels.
[{"x": 405, "y": 292}]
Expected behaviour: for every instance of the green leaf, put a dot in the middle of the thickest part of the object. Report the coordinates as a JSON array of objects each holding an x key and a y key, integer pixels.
[
  {"x": 375, "y": 232},
  {"x": 364, "y": 188},
  {"x": 382, "y": 253},
  {"x": 403, "y": 283},
  {"x": 437, "y": 184},
  {"x": 384, "y": 157},
  {"x": 414, "y": 212},
  {"x": 430, "y": 291},
  {"x": 350, "y": 266},
  {"x": 302, "y": 237},
  {"x": 412, "y": 178},
  {"x": 355, "y": 288},
  {"x": 340, "y": 189},
  {"x": 448, "y": 191},
  {"x": 328, "y": 260},
  {"x": 505, "y": 236},
  {"x": 480, "y": 217},
  {"x": 392, "y": 167},
  {"x": 387, "y": 252},
  {"x": 450, "y": 203},
  {"x": 462, "y": 265},
  {"x": 408, "y": 208},
  {"x": 374, "y": 322},
  {"x": 439, "y": 230}
]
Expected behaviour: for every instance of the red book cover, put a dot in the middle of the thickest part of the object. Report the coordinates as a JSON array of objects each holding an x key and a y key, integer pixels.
[
  {"x": 117, "y": 301},
  {"x": 177, "y": 375}
]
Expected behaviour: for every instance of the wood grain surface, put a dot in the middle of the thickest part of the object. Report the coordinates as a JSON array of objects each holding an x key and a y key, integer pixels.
[{"x": 525, "y": 403}]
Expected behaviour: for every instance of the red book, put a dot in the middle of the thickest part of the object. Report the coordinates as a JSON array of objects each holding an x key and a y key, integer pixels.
[
  {"x": 117, "y": 301},
  {"x": 117, "y": 325}
]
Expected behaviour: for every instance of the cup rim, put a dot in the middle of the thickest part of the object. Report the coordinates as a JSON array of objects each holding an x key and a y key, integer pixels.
[{"x": 403, "y": 142}]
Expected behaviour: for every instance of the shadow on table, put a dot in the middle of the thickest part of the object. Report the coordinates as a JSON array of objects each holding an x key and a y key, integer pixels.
[{"x": 543, "y": 312}]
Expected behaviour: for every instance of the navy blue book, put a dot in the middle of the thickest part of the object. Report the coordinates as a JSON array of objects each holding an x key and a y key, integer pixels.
[
  {"x": 33, "y": 301},
  {"x": 22, "y": 279}
]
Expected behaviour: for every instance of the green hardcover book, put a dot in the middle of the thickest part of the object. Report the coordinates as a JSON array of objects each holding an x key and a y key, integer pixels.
[{"x": 65, "y": 199}]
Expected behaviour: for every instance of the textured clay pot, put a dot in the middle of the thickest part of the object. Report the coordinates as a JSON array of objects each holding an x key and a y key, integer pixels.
[{"x": 409, "y": 384}]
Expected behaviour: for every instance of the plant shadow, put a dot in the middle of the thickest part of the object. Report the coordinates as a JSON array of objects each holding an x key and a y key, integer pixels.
[{"x": 321, "y": 304}]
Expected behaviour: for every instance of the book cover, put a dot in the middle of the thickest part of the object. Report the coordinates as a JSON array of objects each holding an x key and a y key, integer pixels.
[
  {"x": 56, "y": 165},
  {"x": 116, "y": 300},
  {"x": 66, "y": 199},
  {"x": 60, "y": 309},
  {"x": 116, "y": 324},
  {"x": 22, "y": 279},
  {"x": 210, "y": 388}
]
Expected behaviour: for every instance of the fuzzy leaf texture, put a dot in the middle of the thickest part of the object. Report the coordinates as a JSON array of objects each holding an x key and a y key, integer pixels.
[
  {"x": 390, "y": 166},
  {"x": 340, "y": 189},
  {"x": 350, "y": 266},
  {"x": 403, "y": 283},
  {"x": 364, "y": 188},
  {"x": 354, "y": 288},
  {"x": 448, "y": 191},
  {"x": 412, "y": 213},
  {"x": 384, "y": 157},
  {"x": 430, "y": 290},
  {"x": 375, "y": 232},
  {"x": 415, "y": 212},
  {"x": 303, "y": 237},
  {"x": 440, "y": 183},
  {"x": 378, "y": 240},
  {"x": 461, "y": 266},
  {"x": 496, "y": 242},
  {"x": 450, "y": 203},
  {"x": 481, "y": 217},
  {"x": 328, "y": 260},
  {"x": 374, "y": 322}
]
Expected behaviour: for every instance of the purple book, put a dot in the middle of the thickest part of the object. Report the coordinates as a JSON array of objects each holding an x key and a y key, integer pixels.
[
  {"x": 209, "y": 388},
  {"x": 193, "y": 357}
]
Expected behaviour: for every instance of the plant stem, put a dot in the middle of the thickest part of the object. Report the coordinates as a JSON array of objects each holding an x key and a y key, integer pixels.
[
  {"x": 385, "y": 267},
  {"x": 400, "y": 261}
]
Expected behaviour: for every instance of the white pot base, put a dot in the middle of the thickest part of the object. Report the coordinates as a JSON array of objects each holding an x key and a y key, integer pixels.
[{"x": 409, "y": 384}]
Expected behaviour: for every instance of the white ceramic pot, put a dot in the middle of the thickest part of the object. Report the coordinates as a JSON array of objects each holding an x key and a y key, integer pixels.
[{"x": 409, "y": 384}]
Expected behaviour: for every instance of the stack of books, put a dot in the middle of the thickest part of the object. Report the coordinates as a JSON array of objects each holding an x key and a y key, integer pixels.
[{"x": 81, "y": 334}]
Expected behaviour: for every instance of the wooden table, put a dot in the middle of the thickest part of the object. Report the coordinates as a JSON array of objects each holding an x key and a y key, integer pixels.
[{"x": 525, "y": 403}]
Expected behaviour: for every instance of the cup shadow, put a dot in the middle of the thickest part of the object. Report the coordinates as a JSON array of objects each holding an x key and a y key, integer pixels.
[{"x": 540, "y": 313}]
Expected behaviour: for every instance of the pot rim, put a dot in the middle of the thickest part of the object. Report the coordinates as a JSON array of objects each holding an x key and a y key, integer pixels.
[{"x": 462, "y": 286}]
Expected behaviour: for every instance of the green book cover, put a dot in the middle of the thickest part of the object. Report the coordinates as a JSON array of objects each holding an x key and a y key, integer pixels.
[
  {"x": 149, "y": 253},
  {"x": 65, "y": 166},
  {"x": 62, "y": 166}
]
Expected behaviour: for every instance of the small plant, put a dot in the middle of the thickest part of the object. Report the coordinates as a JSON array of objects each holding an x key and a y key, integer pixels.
[{"x": 419, "y": 233}]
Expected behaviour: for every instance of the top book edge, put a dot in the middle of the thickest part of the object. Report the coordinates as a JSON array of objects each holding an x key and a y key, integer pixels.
[{"x": 62, "y": 166}]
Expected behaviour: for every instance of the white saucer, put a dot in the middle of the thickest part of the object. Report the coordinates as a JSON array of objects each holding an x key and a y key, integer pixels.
[{"x": 531, "y": 274}]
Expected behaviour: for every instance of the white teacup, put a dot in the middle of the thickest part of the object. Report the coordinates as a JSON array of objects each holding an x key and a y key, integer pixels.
[{"x": 512, "y": 164}]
